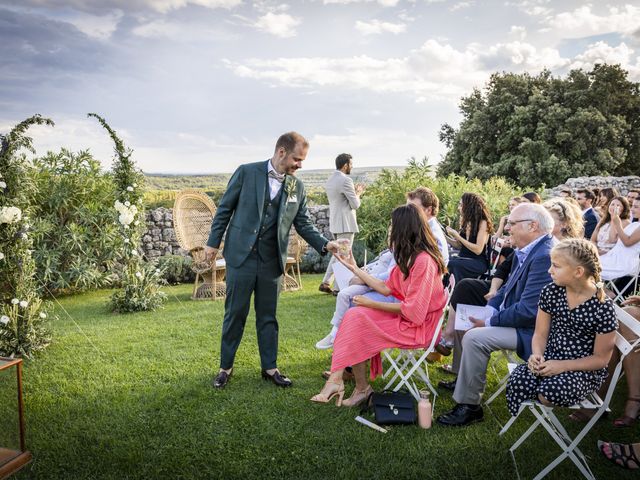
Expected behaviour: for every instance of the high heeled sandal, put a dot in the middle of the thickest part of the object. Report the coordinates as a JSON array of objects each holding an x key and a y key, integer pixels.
[
  {"x": 358, "y": 396},
  {"x": 325, "y": 397},
  {"x": 625, "y": 420},
  {"x": 625, "y": 453}
]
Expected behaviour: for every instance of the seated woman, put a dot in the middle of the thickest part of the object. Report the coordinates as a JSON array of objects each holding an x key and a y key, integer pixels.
[
  {"x": 574, "y": 335},
  {"x": 622, "y": 260},
  {"x": 475, "y": 229},
  {"x": 373, "y": 326},
  {"x": 604, "y": 236},
  {"x": 603, "y": 197}
]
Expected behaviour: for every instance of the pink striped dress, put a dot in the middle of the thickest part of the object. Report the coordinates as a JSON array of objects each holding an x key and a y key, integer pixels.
[{"x": 365, "y": 332}]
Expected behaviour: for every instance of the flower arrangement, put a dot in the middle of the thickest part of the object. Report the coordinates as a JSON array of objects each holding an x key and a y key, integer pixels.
[
  {"x": 23, "y": 314},
  {"x": 140, "y": 284}
]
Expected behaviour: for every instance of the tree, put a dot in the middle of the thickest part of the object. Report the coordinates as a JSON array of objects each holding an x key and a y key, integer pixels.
[{"x": 537, "y": 130}]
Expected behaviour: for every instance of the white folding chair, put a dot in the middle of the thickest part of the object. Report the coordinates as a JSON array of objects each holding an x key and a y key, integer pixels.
[
  {"x": 495, "y": 256},
  {"x": 512, "y": 362},
  {"x": 407, "y": 363},
  {"x": 546, "y": 418}
]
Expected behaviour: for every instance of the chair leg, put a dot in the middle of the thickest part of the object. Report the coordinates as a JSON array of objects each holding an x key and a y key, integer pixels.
[{"x": 195, "y": 286}]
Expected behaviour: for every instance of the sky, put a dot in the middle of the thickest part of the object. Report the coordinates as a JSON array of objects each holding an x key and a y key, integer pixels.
[{"x": 202, "y": 86}]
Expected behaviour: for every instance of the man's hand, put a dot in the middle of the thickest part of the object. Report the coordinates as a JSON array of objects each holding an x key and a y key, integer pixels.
[
  {"x": 490, "y": 294},
  {"x": 476, "y": 322},
  {"x": 332, "y": 247},
  {"x": 359, "y": 187},
  {"x": 210, "y": 253}
]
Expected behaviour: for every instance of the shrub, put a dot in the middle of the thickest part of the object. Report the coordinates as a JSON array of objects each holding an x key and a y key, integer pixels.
[
  {"x": 176, "y": 269},
  {"x": 74, "y": 234},
  {"x": 23, "y": 314}
]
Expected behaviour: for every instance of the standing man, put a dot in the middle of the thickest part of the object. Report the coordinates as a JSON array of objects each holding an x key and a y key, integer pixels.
[
  {"x": 585, "y": 198},
  {"x": 262, "y": 201},
  {"x": 344, "y": 200}
]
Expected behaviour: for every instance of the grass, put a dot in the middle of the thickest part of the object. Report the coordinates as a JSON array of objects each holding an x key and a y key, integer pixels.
[{"x": 129, "y": 396}]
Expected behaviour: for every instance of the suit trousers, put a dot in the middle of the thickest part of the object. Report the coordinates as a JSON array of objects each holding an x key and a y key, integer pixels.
[
  {"x": 476, "y": 346},
  {"x": 263, "y": 280},
  {"x": 328, "y": 276}
]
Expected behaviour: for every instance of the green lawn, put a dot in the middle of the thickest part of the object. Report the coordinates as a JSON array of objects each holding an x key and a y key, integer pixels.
[{"x": 130, "y": 396}]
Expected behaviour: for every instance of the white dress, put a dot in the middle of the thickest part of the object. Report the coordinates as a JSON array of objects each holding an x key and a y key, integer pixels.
[{"x": 621, "y": 260}]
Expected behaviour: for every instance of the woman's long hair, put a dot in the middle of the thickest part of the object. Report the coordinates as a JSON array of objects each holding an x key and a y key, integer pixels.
[
  {"x": 411, "y": 235},
  {"x": 624, "y": 214},
  {"x": 474, "y": 211}
]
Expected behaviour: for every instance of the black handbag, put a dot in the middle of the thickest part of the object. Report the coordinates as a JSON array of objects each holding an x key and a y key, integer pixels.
[{"x": 393, "y": 408}]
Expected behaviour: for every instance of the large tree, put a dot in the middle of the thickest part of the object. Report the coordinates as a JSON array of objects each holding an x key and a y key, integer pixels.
[{"x": 538, "y": 130}]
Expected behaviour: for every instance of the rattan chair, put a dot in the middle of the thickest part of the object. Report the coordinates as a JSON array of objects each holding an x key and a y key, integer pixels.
[
  {"x": 292, "y": 280},
  {"x": 193, "y": 213}
]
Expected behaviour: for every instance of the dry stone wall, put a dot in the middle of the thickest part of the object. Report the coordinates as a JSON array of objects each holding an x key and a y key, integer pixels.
[{"x": 622, "y": 184}]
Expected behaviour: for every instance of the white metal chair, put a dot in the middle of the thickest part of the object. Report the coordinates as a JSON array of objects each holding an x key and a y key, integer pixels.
[
  {"x": 407, "y": 363},
  {"x": 546, "y": 418},
  {"x": 512, "y": 362}
]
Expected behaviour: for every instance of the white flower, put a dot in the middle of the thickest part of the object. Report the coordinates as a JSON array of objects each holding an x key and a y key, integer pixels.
[
  {"x": 10, "y": 214},
  {"x": 134, "y": 252},
  {"x": 157, "y": 270},
  {"x": 3, "y": 185},
  {"x": 135, "y": 184},
  {"x": 126, "y": 227},
  {"x": 126, "y": 240},
  {"x": 127, "y": 203},
  {"x": 125, "y": 218},
  {"x": 118, "y": 205},
  {"x": 43, "y": 315},
  {"x": 1, "y": 256},
  {"x": 136, "y": 223},
  {"x": 24, "y": 304},
  {"x": 15, "y": 301},
  {"x": 4, "y": 319},
  {"x": 138, "y": 274},
  {"x": 24, "y": 236},
  {"x": 129, "y": 189}
]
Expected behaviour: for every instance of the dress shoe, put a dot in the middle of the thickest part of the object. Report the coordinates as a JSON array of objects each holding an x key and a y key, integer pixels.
[
  {"x": 325, "y": 287},
  {"x": 326, "y": 343},
  {"x": 347, "y": 376},
  {"x": 277, "y": 378},
  {"x": 221, "y": 379},
  {"x": 462, "y": 415},
  {"x": 448, "y": 385},
  {"x": 444, "y": 348}
]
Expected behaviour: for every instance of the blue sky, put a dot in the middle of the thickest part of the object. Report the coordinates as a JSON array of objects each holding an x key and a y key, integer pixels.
[{"x": 201, "y": 86}]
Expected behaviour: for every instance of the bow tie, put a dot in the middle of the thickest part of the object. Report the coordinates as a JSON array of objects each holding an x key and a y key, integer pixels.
[{"x": 277, "y": 176}]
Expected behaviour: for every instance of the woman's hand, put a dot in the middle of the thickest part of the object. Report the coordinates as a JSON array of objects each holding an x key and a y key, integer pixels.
[
  {"x": 348, "y": 262},
  {"x": 551, "y": 368},
  {"x": 453, "y": 233},
  {"x": 633, "y": 300},
  {"x": 362, "y": 301},
  {"x": 534, "y": 363}
]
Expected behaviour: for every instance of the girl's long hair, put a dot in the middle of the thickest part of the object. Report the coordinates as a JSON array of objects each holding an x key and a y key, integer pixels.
[
  {"x": 624, "y": 214},
  {"x": 474, "y": 211},
  {"x": 411, "y": 235}
]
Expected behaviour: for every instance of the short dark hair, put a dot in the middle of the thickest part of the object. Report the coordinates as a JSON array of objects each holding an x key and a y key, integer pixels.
[
  {"x": 289, "y": 140},
  {"x": 342, "y": 160},
  {"x": 533, "y": 197},
  {"x": 587, "y": 192}
]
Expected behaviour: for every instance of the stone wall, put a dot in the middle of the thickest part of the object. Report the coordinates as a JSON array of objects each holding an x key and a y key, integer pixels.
[{"x": 622, "y": 184}]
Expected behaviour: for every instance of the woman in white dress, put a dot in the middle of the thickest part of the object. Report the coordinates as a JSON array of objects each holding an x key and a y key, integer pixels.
[
  {"x": 605, "y": 236},
  {"x": 624, "y": 258}
]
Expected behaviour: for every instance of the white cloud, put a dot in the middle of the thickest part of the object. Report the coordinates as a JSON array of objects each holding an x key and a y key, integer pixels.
[
  {"x": 164, "y": 6},
  {"x": 376, "y": 27},
  {"x": 534, "y": 8},
  {"x": 181, "y": 32},
  {"x": 281, "y": 25},
  {"x": 582, "y": 22},
  {"x": 518, "y": 32},
  {"x": 95, "y": 26},
  {"x": 461, "y": 5},
  {"x": 601, "y": 52},
  {"x": 384, "y": 3}
]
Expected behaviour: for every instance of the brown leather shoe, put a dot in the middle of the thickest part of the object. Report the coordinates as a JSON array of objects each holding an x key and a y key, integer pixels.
[
  {"x": 325, "y": 288},
  {"x": 347, "y": 376}
]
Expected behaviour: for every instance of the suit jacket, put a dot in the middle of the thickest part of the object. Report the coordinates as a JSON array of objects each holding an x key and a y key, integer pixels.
[
  {"x": 521, "y": 294},
  {"x": 343, "y": 203},
  {"x": 240, "y": 213},
  {"x": 590, "y": 222}
]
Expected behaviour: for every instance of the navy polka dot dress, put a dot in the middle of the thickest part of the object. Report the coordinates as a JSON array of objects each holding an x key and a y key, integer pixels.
[{"x": 572, "y": 335}]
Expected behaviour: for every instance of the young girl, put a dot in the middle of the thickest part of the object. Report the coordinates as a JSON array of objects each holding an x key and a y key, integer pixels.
[{"x": 574, "y": 336}]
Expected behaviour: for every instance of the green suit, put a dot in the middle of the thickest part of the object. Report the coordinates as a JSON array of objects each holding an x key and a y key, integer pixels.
[{"x": 255, "y": 251}]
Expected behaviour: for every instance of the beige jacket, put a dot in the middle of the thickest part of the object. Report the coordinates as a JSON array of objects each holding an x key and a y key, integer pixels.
[{"x": 343, "y": 203}]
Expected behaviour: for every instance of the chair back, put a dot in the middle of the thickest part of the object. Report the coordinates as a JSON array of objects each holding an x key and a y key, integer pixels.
[
  {"x": 193, "y": 213},
  {"x": 296, "y": 246},
  {"x": 625, "y": 346}
]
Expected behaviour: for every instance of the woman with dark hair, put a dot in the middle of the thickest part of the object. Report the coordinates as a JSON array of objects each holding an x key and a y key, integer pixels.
[
  {"x": 605, "y": 236},
  {"x": 603, "y": 198},
  {"x": 532, "y": 197},
  {"x": 475, "y": 229},
  {"x": 373, "y": 326}
]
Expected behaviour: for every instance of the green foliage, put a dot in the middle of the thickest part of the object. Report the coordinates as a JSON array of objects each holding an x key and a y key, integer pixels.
[
  {"x": 140, "y": 284},
  {"x": 176, "y": 269},
  {"x": 388, "y": 192},
  {"x": 539, "y": 130},
  {"x": 23, "y": 314},
  {"x": 73, "y": 229}
]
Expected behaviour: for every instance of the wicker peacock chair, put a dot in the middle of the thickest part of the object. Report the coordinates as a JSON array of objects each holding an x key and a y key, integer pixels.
[
  {"x": 292, "y": 280},
  {"x": 193, "y": 213}
]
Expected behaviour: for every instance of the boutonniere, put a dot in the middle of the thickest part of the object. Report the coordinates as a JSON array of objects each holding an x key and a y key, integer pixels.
[{"x": 289, "y": 186}]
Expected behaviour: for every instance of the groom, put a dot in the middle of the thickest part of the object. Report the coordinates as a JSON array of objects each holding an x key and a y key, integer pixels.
[{"x": 262, "y": 201}]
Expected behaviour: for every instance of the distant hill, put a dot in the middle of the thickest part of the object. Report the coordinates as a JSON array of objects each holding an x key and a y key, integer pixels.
[{"x": 313, "y": 179}]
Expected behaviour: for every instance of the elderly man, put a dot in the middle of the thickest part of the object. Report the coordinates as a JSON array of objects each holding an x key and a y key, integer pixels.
[
  {"x": 262, "y": 201},
  {"x": 511, "y": 314}
]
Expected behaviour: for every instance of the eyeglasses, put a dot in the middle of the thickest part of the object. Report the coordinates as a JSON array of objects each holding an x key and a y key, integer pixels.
[{"x": 512, "y": 223}]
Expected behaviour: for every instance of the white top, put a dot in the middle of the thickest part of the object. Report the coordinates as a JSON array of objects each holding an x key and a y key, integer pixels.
[
  {"x": 436, "y": 229},
  {"x": 621, "y": 260}
]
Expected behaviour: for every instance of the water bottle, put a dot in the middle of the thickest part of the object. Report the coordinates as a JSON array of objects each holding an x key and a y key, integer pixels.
[{"x": 424, "y": 410}]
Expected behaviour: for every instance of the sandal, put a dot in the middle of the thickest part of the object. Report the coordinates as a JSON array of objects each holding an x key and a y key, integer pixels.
[
  {"x": 358, "y": 397},
  {"x": 621, "y": 454},
  {"x": 625, "y": 420},
  {"x": 330, "y": 390}
]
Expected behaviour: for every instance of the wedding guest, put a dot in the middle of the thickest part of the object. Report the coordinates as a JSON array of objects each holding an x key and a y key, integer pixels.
[
  {"x": 624, "y": 455},
  {"x": 566, "y": 193},
  {"x": 471, "y": 239},
  {"x": 373, "y": 326},
  {"x": 604, "y": 197},
  {"x": 622, "y": 260},
  {"x": 604, "y": 236},
  {"x": 567, "y": 218},
  {"x": 574, "y": 335},
  {"x": 631, "y": 196},
  {"x": 533, "y": 197},
  {"x": 586, "y": 199}
]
